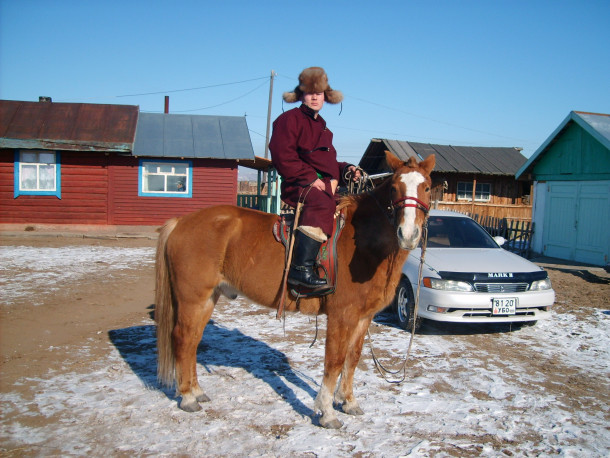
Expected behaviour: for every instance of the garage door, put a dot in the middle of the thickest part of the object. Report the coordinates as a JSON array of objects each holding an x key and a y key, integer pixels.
[{"x": 577, "y": 221}]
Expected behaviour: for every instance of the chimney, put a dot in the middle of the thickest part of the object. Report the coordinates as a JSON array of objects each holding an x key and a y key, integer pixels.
[{"x": 45, "y": 99}]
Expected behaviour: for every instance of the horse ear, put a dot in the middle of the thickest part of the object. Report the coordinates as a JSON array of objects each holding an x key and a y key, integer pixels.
[
  {"x": 393, "y": 161},
  {"x": 428, "y": 164}
]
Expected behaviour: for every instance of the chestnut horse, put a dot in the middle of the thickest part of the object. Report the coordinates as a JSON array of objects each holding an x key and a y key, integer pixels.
[{"x": 227, "y": 249}]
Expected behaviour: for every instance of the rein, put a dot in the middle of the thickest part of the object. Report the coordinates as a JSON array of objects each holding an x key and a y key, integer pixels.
[
  {"x": 383, "y": 371},
  {"x": 391, "y": 215}
]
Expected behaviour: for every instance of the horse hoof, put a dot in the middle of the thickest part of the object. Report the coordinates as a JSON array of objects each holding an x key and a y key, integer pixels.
[
  {"x": 332, "y": 424},
  {"x": 190, "y": 407},
  {"x": 353, "y": 410},
  {"x": 203, "y": 398}
]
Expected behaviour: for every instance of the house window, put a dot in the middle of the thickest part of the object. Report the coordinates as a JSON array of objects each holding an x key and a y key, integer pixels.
[
  {"x": 482, "y": 192},
  {"x": 161, "y": 178},
  {"x": 37, "y": 173}
]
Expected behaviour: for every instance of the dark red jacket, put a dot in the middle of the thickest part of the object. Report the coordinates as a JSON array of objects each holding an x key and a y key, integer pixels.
[{"x": 302, "y": 150}]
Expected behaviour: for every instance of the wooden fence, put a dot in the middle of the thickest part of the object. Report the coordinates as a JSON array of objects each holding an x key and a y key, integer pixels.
[
  {"x": 257, "y": 202},
  {"x": 247, "y": 201},
  {"x": 522, "y": 212},
  {"x": 517, "y": 233}
]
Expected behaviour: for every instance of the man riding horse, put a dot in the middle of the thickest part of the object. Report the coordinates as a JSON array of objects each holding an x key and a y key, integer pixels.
[{"x": 303, "y": 154}]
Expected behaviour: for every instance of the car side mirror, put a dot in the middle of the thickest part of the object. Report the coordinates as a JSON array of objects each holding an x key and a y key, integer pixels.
[{"x": 500, "y": 240}]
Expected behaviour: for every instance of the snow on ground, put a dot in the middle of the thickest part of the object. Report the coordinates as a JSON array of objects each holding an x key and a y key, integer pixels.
[
  {"x": 50, "y": 267},
  {"x": 460, "y": 397}
]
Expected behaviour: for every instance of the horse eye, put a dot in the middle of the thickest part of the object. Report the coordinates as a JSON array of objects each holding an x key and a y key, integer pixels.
[{"x": 427, "y": 189}]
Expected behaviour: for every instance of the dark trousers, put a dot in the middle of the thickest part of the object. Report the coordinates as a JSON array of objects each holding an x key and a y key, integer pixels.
[{"x": 319, "y": 210}]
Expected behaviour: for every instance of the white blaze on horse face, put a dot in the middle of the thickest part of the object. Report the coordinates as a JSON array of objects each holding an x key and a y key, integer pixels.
[{"x": 408, "y": 232}]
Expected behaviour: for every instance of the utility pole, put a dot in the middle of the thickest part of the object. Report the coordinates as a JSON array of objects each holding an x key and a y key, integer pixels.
[{"x": 269, "y": 114}]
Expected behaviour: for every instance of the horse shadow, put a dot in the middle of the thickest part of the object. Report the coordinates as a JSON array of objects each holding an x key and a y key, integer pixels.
[
  {"x": 220, "y": 347},
  {"x": 587, "y": 276}
]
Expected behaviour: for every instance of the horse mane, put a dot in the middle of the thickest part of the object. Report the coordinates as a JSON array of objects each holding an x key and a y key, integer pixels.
[
  {"x": 348, "y": 201},
  {"x": 353, "y": 200},
  {"x": 372, "y": 199}
]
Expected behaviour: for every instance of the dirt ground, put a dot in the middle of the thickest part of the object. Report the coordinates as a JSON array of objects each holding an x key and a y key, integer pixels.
[
  {"x": 69, "y": 317},
  {"x": 35, "y": 340}
]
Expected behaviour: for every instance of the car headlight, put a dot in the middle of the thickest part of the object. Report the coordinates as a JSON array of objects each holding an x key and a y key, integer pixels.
[
  {"x": 447, "y": 285},
  {"x": 541, "y": 285}
]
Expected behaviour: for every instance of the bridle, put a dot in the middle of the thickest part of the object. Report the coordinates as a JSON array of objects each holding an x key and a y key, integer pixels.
[
  {"x": 390, "y": 210},
  {"x": 421, "y": 205}
]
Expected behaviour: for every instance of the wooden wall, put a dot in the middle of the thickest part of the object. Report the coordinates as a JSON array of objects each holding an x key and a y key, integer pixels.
[
  {"x": 214, "y": 183},
  {"x": 84, "y": 181},
  {"x": 103, "y": 189},
  {"x": 505, "y": 190},
  {"x": 509, "y": 198}
]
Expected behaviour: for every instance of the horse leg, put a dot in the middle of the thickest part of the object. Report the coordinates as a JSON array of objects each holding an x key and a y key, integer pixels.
[
  {"x": 345, "y": 393},
  {"x": 187, "y": 333},
  {"x": 337, "y": 337},
  {"x": 200, "y": 396}
]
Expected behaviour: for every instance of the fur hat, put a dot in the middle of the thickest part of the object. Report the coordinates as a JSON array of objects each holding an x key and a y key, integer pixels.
[{"x": 313, "y": 79}]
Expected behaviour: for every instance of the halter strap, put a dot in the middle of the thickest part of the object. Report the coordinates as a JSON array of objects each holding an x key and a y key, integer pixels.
[{"x": 400, "y": 203}]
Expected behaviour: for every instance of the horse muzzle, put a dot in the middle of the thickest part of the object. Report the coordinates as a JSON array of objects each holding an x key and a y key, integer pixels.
[{"x": 408, "y": 243}]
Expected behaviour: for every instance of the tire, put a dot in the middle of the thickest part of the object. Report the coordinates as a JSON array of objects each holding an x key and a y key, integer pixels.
[{"x": 404, "y": 306}]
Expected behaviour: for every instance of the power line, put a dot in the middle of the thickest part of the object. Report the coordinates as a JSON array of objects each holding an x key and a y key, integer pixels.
[
  {"x": 223, "y": 103},
  {"x": 436, "y": 120},
  {"x": 257, "y": 133},
  {"x": 398, "y": 110},
  {"x": 399, "y": 135},
  {"x": 192, "y": 88},
  {"x": 171, "y": 91}
]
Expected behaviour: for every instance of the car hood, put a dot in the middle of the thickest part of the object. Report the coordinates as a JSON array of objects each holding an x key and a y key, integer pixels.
[{"x": 473, "y": 260}]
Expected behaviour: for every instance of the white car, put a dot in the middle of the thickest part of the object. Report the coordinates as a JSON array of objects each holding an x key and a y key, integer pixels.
[{"x": 468, "y": 278}]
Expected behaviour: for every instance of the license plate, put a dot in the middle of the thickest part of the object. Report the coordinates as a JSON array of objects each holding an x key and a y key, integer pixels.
[{"x": 504, "y": 306}]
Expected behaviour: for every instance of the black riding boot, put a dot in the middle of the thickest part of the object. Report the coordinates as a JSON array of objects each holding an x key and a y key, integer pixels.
[{"x": 303, "y": 259}]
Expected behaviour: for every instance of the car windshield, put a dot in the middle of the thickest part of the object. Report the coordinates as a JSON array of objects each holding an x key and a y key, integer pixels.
[{"x": 456, "y": 232}]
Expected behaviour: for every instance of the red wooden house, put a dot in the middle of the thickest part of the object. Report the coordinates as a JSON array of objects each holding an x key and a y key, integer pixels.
[{"x": 65, "y": 163}]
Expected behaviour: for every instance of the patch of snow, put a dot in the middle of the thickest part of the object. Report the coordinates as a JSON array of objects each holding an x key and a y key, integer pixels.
[
  {"x": 457, "y": 395},
  {"x": 24, "y": 269}
]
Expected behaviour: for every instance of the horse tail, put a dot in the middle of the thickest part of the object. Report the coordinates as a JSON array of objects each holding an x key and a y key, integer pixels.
[{"x": 164, "y": 309}]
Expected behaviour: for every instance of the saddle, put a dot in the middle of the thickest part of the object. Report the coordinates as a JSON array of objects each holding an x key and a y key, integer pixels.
[{"x": 326, "y": 261}]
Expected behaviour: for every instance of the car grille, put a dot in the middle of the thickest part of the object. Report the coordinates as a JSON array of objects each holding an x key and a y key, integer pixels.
[{"x": 500, "y": 287}]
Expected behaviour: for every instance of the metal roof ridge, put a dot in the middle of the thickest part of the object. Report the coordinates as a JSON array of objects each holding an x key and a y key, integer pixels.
[{"x": 590, "y": 113}]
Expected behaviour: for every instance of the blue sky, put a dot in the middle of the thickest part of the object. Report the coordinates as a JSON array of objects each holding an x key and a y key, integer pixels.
[{"x": 480, "y": 73}]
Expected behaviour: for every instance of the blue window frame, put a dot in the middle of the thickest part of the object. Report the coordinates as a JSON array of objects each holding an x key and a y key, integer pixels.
[
  {"x": 165, "y": 178},
  {"x": 37, "y": 173}
]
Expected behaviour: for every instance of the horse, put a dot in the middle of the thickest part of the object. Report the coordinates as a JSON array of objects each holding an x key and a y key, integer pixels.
[{"x": 227, "y": 250}]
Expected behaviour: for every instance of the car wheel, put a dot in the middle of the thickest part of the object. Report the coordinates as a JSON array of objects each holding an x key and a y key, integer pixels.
[{"x": 404, "y": 305}]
